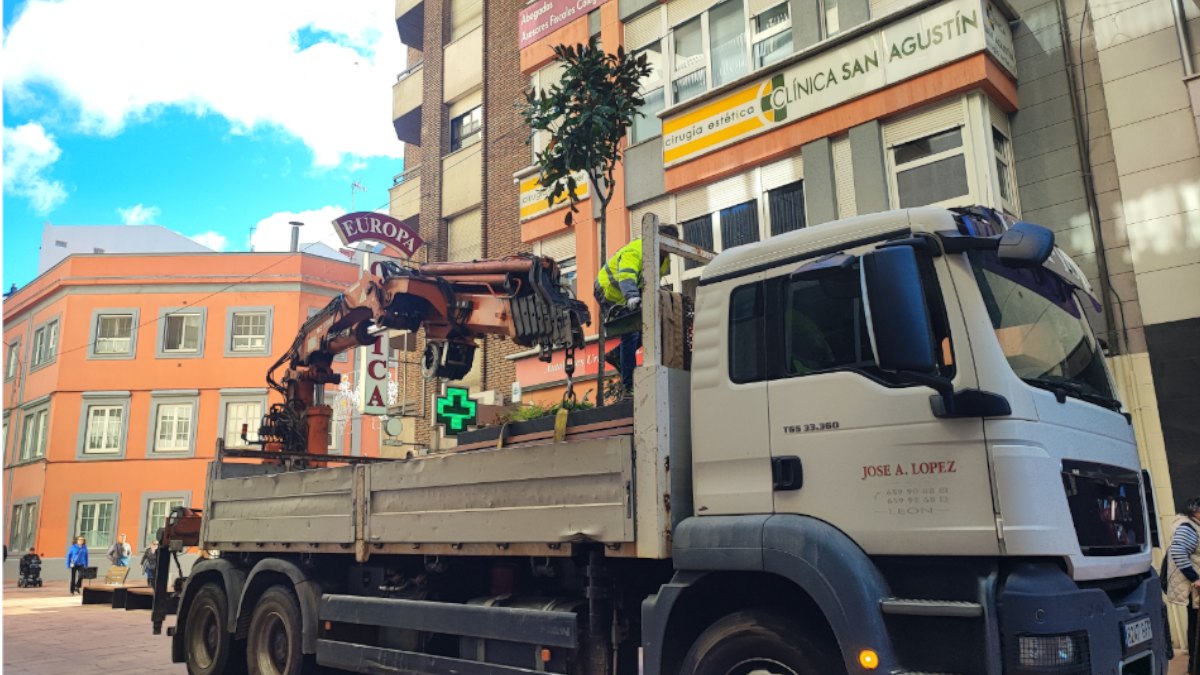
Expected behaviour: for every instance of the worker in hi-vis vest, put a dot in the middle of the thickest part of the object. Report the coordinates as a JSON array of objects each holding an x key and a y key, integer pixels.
[{"x": 620, "y": 283}]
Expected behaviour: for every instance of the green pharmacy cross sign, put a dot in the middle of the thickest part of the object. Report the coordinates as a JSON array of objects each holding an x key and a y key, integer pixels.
[{"x": 456, "y": 410}]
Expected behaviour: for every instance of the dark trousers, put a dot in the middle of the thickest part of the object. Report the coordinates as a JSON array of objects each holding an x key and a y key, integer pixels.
[
  {"x": 76, "y": 577},
  {"x": 1191, "y": 639},
  {"x": 630, "y": 343}
]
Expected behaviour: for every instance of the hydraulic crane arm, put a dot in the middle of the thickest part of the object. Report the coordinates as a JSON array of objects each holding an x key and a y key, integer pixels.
[{"x": 520, "y": 298}]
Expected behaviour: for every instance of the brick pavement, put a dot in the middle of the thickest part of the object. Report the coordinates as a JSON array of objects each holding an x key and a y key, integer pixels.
[{"x": 48, "y": 632}]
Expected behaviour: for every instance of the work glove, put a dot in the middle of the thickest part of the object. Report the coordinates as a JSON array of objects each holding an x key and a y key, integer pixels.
[{"x": 633, "y": 304}]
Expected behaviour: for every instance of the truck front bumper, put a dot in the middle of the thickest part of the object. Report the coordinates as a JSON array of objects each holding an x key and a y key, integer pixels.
[{"x": 1051, "y": 625}]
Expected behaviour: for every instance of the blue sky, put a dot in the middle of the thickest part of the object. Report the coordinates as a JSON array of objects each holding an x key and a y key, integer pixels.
[{"x": 213, "y": 121}]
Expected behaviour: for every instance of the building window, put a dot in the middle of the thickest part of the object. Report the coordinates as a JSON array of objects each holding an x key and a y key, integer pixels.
[
  {"x": 23, "y": 527},
  {"x": 173, "y": 428},
  {"x": 249, "y": 332},
  {"x": 832, "y": 25},
  {"x": 114, "y": 334},
  {"x": 465, "y": 16},
  {"x": 12, "y": 360},
  {"x": 247, "y": 414},
  {"x": 772, "y": 31},
  {"x": 157, "y": 511},
  {"x": 688, "y": 65},
  {"x": 786, "y": 208},
  {"x": 94, "y": 521},
  {"x": 647, "y": 124},
  {"x": 181, "y": 333},
  {"x": 746, "y": 318},
  {"x": 931, "y": 170},
  {"x": 594, "y": 23},
  {"x": 1002, "y": 151},
  {"x": 104, "y": 426},
  {"x": 466, "y": 129},
  {"x": 34, "y": 428},
  {"x": 698, "y": 231},
  {"x": 45, "y": 344},
  {"x": 739, "y": 225},
  {"x": 567, "y": 273},
  {"x": 727, "y": 42}
]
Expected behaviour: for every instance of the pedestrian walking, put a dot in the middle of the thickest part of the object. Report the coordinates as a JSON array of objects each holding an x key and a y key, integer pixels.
[
  {"x": 150, "y": 561},
  {"x": 120, "y": 552},
  {"x": 1183, "y": 571},
  {"x": 77, "y": 561}
]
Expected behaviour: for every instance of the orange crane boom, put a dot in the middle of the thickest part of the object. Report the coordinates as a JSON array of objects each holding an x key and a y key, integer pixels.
[{"x": 521, "y": 298}]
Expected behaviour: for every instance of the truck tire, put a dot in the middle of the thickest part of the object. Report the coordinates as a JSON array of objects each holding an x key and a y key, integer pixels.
[
  {"x": 760, "y": 642},
  {"x": 273, "y": 642},
  {"x": 209, "y": 647}
]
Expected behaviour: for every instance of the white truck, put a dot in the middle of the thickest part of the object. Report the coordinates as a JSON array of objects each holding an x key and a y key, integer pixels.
[{"x": 898, "y": 450}]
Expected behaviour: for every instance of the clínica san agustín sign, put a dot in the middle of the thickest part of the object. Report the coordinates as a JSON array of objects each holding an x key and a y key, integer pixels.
[{"x": 894, "y": 53}]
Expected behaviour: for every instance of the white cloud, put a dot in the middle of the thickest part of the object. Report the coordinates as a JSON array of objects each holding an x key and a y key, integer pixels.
[
  {"x": 28, "y": 152},
  {"x": 241, "y": 60},
  {"x": 274, "y": 233},
  {"x": 212, "y": 239},
  {"x": 139, "y": 214}
]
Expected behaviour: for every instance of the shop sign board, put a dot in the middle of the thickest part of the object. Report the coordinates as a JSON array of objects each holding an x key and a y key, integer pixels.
[
  {"x": 531, "y": 372},
  {"x": 539, "y": 19},
  {"x": 377, "y": 227},
  {"x": 533, "y": 195},
  {"x": 916, "y": 44}
]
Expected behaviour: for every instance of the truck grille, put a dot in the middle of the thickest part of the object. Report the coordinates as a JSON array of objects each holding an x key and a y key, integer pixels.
[{"x": 1106, "y": 507}]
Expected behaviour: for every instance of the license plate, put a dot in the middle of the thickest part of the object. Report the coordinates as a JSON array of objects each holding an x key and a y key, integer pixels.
[{"x": 1137, "y": 632}]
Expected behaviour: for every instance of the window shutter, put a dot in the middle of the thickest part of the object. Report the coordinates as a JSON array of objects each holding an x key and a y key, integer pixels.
[
  {"x": 757, "y": 7},
  {"x": 782, "y": 173},
  {"x": 682, "y": 10},
  {"x": 660, "y": 207},
  {"x": 999, "y": 119},
  {"x": 716, "y": 196},
  {"x": 559, "y": 247},
  {"x": 464, "y": 237},
  {"x": 923, "y": 122},
  {"x": 464, "y": 16},
  {"x": 645, "y": 29},
  {"x": 843, "y": 178},
  {"x": 466, "y": 104}
]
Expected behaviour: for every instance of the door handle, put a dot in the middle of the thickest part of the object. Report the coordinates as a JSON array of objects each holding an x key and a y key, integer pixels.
[{"x": 787, "y": 473}]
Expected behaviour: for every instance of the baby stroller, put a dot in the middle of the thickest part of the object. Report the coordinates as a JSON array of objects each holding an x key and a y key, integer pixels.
[{"x": 31, "y": 571}]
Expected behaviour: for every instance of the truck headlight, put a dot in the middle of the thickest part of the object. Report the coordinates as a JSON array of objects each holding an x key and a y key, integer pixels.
[{"x": 1051, "y": 651}]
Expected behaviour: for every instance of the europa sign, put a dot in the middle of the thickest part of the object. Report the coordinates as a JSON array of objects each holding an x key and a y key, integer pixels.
[
  {"x": 916, "y": 44},
  {"x": 370, "y": 226},
  {"x": 543, "y": 18}
]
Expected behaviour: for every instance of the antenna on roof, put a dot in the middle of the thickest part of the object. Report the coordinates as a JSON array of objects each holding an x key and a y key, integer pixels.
[{"x": 355, "y": 187}]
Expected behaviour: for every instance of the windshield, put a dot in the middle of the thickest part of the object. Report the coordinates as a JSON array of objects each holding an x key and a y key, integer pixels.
[{"x": 1042, "y": 329}]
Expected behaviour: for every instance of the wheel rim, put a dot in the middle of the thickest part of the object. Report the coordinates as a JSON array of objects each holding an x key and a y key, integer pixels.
[
  {"x": 206, "y": 637},
  {"x": 274, "y": 644},
  {"x": 760, "y": 666}
]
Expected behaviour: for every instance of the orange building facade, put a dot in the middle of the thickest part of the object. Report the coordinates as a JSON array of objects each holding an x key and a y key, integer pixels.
[{"x": 121, "y": 374}]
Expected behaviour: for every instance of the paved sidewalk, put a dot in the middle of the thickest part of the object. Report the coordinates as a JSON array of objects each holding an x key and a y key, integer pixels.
[{"x": 48, "y": 632}]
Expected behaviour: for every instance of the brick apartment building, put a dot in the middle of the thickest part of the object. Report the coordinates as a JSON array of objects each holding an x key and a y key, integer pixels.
[{"x": 121, "y": 373}]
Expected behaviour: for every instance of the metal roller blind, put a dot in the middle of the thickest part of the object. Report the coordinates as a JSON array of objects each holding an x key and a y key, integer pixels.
[
  {"x": 465, "y": 15},
  {"x": 843, "y": 178},
  {"x": 466, "y": 103},
  {"x": 716, "y": 196},
  {"x": 756, "y": 7},
  {"x": 559, "y": 247},
  {"x": 999, "y": 118},
  {"x": 464, "y": 237},
  {"x": 924, "y": 122},
  {"x": 660, "y": 207},
  {"x": 782, "y": 173},
  {"x": 682, "y": 10},
  {"x": 645, "y": 29}
]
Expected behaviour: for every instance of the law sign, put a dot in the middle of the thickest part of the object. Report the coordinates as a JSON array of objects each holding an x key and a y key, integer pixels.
[
  {"x": 377, "y": 227},
  {"x": 916, "y": 44},
  {"x": 543, "y": 18}
]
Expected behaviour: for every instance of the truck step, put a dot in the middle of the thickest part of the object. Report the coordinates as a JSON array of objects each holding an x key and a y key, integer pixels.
[{"x": 914, "y": 607}]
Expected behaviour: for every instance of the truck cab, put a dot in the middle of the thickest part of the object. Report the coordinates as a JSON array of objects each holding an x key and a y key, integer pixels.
[{"x": 941, "y": 427}]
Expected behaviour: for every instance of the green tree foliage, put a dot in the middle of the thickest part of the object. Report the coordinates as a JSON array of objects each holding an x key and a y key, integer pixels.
[{"x": 587, "y": 114}]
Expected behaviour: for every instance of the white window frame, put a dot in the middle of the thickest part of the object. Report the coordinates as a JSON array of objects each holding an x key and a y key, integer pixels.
[
  {"x": 173, "y": 431},
  {"x": 102, "y": 416},
  {"x": 77, "y": 530},
  {"x": 45, "y": 344},
  {"x": 475, "y": 136},
  {"x": 963, "y": 149},
  {"x": 116, "y": 340},
  {"x": 22, "y": 525},
  {"x": 247, "y": 347},
  {"x": 12, "y": 360},
  {"x": 231, "y": 435},
  {"x": 1008, "y": 175},
  {"x": 35, "y": 419},
  {"x": 108, "y": 400},
  {"x": 149, "y": 522},
  {"x": 757, "y": 38},
  {"x": 133, "y": 313},
  {"x": 701, "y": 63},
  {"x": 185, "y": 318},
  {"x": 656, "y": 80}
]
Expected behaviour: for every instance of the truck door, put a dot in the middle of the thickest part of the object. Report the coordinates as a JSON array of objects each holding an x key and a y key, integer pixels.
[{"x": 860, "y": 448}]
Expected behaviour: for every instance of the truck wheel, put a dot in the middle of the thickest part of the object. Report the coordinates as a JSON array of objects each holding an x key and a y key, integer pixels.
[
  {"x": 759, "y": 642},
  {"x": 273, "y": 643},
  {"x": 208, "y": 645}
]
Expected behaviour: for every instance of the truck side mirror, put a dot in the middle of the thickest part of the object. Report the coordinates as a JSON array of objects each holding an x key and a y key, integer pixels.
[
  {"x": 897, "y": 314},
  {"x": 1025, "y": 245}
]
